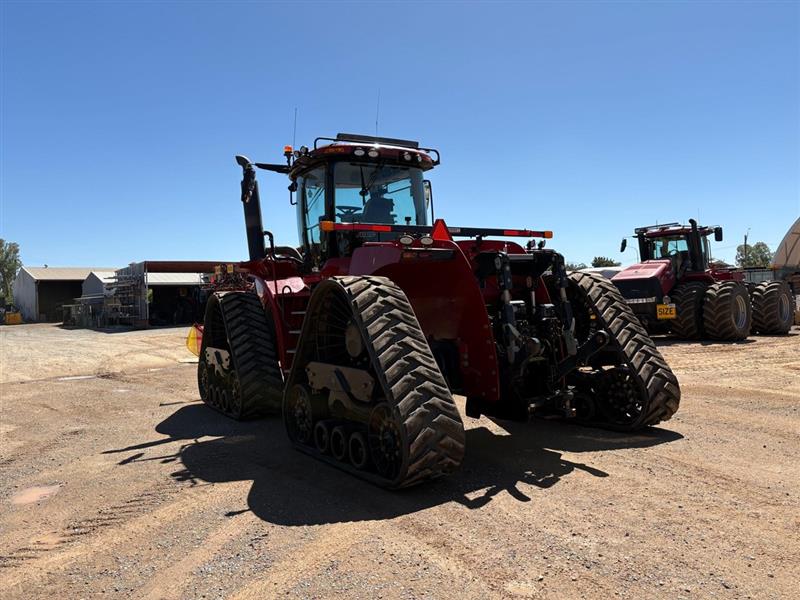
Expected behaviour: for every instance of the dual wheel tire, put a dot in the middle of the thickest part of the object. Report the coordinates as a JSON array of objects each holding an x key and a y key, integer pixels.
[
  {"x": 721, "y": 311},
  {"x": 773, "y": 308},
  {"x": 728, "y": 311}
]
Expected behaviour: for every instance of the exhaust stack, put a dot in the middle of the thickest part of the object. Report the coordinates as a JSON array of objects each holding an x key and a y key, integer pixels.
[{"x": 251, "y": 202}]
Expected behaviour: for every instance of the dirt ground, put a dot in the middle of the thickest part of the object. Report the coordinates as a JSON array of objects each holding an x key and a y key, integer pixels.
[{"x": 116, "y": 482}]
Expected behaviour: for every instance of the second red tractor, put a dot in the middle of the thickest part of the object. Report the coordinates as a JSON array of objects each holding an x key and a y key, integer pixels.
[{"x": 675, "y": 287}]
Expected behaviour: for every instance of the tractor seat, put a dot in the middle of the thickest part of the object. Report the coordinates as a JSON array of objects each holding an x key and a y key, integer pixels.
[{"x": 378, "y": 210}]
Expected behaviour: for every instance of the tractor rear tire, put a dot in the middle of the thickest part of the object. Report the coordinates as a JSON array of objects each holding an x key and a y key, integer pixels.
[
  {"x": 641, "y": 369},
  {"x": 773, "y": 308},
  {"x": 255, "y": 384},
  {"x": 727, "y": 312},
  {"x": 688, "y": 299},
  {"x": 411, "y": 410}
]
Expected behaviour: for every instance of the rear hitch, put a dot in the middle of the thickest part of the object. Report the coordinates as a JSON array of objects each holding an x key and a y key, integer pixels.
[{"x": 559, "y": 404}]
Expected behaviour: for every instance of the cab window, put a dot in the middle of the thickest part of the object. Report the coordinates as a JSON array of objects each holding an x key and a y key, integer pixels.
[
  {"x": 311, "y": 206},
  {"x": 375, "y": 193}
]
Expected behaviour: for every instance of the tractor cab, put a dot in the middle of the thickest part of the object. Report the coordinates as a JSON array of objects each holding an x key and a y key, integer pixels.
[
  {"x": 376, "y": 183},
  {"x": 686, "y": 247}
]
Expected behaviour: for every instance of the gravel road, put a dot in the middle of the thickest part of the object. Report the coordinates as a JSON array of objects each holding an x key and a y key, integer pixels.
[{"x": 116, "y": 482}]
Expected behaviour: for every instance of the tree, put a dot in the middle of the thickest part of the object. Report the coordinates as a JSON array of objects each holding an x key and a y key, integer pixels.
[
  {"x": 9, "y": 265},
  {"x": 758, "y": 255},
  {"x": 575, "y": 266},
  {"x": 603, "y": 261}
]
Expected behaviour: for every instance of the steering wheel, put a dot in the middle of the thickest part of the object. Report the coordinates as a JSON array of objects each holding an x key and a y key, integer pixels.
[{"x": 348, "y": 211}]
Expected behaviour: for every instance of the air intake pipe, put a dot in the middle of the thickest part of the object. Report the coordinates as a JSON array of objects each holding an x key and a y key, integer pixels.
[
  {"x": 251, "y": 203},
  {"x": 695, "y": 249}
]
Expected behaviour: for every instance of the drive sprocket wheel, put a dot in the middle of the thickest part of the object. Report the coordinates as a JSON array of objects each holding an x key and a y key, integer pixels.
[
  {"x": 411, "y": 425},
  {"x": 633, "y": 386}
]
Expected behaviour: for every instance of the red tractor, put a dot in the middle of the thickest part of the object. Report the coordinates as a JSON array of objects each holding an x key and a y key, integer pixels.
[
  {"x": 675, "y": 288},
  {"x": 360, "y": 336}
]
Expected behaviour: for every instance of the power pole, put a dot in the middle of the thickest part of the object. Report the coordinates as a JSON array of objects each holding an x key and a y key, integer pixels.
[{"x": 744, "y": 263}]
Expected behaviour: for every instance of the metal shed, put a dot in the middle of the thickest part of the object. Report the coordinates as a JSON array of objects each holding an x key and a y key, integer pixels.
[
  {"x": 162, "y": 292},
  {"x": 41, "y": 292}
]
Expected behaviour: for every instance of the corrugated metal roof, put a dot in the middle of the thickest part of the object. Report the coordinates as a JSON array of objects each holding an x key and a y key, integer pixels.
[
  {"x": 63, "y": 273},
  {"x": 174, "y": 279},
  {"x": 105, "y": 276}
]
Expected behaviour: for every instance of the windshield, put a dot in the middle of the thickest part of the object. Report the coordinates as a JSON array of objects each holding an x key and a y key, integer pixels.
[
  {"x": 369, "y": 193},
  {"x": 664, "y": 247}
]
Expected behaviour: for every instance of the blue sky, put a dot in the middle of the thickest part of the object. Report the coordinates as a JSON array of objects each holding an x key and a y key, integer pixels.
[{"x": 120, "y": 120}]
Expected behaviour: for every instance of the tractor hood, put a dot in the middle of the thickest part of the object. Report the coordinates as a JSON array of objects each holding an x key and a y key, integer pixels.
[{"x": 646, "y": 280}]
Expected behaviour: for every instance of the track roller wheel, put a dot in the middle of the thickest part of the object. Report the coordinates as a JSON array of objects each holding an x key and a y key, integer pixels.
[
  {"x": 773, "y": 308},
  {"x": 634, "y": 387},
  {"x": 339, "y": 443},
  {"x": 688, "y": 299},
  {"x": 376, "y": 378},
  {"x": 727, "y": 313},
  {"x": 322, "y": 437},
  {"x": 357, "y": 450}
]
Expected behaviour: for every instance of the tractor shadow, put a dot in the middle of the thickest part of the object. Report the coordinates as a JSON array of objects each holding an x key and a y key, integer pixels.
[{"x": 291, "y": 488}]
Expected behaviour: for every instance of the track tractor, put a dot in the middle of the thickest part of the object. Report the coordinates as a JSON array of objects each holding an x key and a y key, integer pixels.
[
  {"x": 360, "y": 337},
  {"x": 675, "y": 288}
]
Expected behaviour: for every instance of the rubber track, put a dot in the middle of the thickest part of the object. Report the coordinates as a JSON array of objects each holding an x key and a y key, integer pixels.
[
  {"x": 766, "y": 308},
  {"x": 717, "y": 318},
  {"x": 252, "y": 346},
  {"x": 688, "y": 299},
  {"x": 410, "y": 379},
  {"x": 636, "y": 350}
]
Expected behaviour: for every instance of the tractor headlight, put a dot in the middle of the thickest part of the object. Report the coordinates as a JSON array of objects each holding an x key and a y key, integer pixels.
[
  {"x": 406, "y": 240},
  {"x": 359, "y": 152},
  {"x": 373, "y": 153},
  {"x": 426, "y": 240}
]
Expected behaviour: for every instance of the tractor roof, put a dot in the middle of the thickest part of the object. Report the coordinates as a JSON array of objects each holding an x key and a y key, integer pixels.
[
  {"x": 670, "y": 229},
  {"x": 349, "y": 146}
]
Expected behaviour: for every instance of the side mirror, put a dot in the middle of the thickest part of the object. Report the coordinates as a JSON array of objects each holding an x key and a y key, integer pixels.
[
  {"x": 242, "y": 161},
  {"x": 623, "y": 245},
  {"x": 717, "y": 234}
]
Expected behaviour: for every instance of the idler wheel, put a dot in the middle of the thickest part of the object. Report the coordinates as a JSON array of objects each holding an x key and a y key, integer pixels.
[
  {"x": 299, "y": 415},
  {"x": 385, "y": 441}
]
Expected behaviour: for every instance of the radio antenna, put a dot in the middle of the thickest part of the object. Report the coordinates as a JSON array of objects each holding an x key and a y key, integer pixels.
[
  {"x": 377, "y": 112},
  {"x": 294, "y": 131}
]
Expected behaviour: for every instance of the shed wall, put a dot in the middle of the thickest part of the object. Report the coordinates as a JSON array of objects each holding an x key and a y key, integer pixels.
[{"x": 25, "y": 295}]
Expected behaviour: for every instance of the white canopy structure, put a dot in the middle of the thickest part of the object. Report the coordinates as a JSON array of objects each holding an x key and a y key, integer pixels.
[{"x": 788, "y": 253}]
